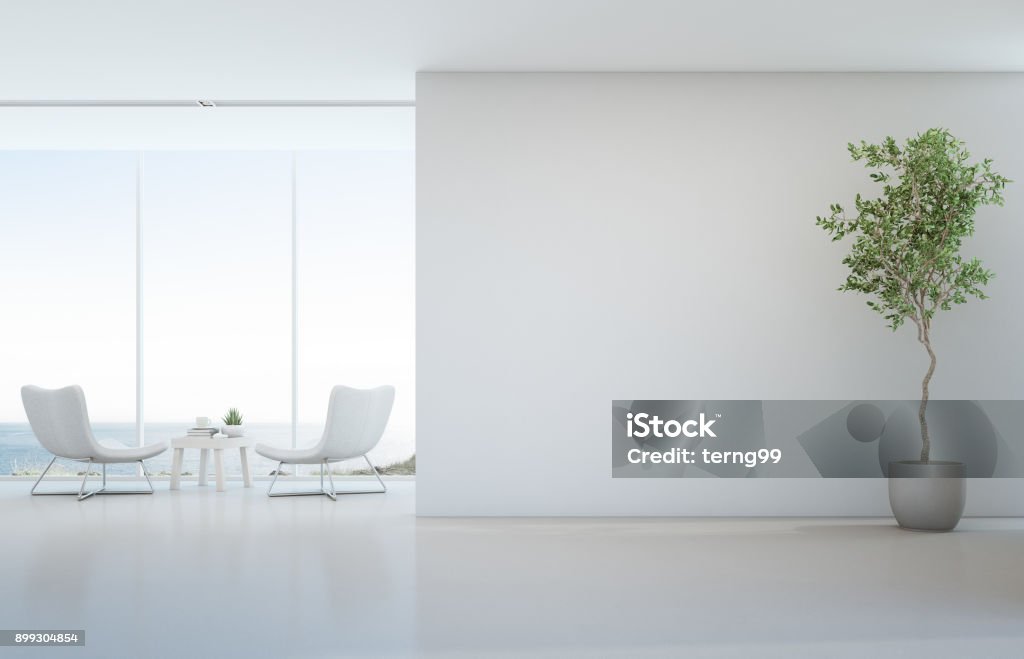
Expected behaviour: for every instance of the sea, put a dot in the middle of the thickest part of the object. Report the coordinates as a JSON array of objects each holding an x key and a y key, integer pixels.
[{"x": 22, "y": 454}]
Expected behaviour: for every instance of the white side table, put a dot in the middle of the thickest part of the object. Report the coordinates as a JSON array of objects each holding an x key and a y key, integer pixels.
[{"x": 205, "y": 445}]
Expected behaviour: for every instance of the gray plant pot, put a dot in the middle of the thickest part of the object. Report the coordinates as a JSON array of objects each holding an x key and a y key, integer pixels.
[{"x": 927, "y": 496}]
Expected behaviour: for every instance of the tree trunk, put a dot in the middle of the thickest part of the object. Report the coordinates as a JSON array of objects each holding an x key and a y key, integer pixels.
[{"x": 926, "y": 444}]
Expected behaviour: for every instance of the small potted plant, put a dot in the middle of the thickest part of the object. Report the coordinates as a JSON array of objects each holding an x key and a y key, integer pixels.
[
  {"x": 233, "y": 423},
  {"x": 906, "y": 256}
]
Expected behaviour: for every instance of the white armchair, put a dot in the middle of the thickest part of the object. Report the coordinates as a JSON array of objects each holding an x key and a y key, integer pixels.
[
  {"x": 60, "y": 422},
  {"x": 356, "y": 419}
]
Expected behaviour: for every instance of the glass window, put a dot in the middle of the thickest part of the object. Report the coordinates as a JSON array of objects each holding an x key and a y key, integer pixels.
[
  {"x": 67, "y": 227},
  {"x": 217, "y": 294},
  {"x": 356, "y": 287}
]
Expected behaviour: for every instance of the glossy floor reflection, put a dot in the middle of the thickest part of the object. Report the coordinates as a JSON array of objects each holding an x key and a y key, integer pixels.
[{"x": 200, "y": 574}]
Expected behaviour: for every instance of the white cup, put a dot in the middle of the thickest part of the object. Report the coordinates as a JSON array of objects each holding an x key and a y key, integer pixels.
[{"x": 202, "y": 422}]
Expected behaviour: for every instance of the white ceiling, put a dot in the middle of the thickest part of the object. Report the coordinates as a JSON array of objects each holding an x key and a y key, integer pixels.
[{"x": 371, "y": 49}]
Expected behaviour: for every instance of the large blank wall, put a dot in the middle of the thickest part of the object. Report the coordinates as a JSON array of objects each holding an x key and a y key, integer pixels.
[{"x": 589, "y": 237}]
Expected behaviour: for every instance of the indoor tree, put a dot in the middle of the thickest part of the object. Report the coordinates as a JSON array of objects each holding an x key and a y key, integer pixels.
[{"x": 906, "y": 243}]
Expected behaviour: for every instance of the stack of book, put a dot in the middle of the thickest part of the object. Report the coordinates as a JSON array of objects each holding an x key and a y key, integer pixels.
[{"x": 202, "y": 432}]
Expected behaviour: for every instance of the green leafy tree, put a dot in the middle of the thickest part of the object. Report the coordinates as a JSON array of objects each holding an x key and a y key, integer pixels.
[{"x": 906, "y": 243}]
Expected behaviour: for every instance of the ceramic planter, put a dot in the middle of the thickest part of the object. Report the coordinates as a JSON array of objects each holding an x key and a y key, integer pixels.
[{"x": 927, "y": 496}]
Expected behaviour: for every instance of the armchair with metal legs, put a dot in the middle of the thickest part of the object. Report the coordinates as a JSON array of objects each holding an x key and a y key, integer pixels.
[
  {"x": 60, "y": 421},
  {"x": 356, "y": 419}
]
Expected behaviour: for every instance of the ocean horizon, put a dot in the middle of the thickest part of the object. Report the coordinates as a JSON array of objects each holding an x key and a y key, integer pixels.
[{"x": 21, "y": 452}]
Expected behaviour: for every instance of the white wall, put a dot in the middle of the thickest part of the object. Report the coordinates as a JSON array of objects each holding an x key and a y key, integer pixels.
[{"x": 586, "y": 237}]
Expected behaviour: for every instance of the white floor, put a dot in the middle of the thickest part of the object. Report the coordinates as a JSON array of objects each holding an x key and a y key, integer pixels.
[{"x": 200, "y": 574}]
